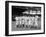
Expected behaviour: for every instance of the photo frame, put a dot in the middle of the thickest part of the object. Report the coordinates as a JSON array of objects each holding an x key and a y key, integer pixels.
[{"x": 24, "y": 18}]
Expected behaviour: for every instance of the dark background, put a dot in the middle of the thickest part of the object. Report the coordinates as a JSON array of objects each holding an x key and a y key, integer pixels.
[{"x": 18, "y": 11}]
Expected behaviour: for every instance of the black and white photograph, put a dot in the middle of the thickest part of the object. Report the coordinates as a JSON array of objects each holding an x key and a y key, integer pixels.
[{"x": 24, "y": 18}]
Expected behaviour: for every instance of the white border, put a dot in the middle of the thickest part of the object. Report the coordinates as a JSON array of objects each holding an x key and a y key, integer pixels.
[{"x": 24, "y": 32}]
